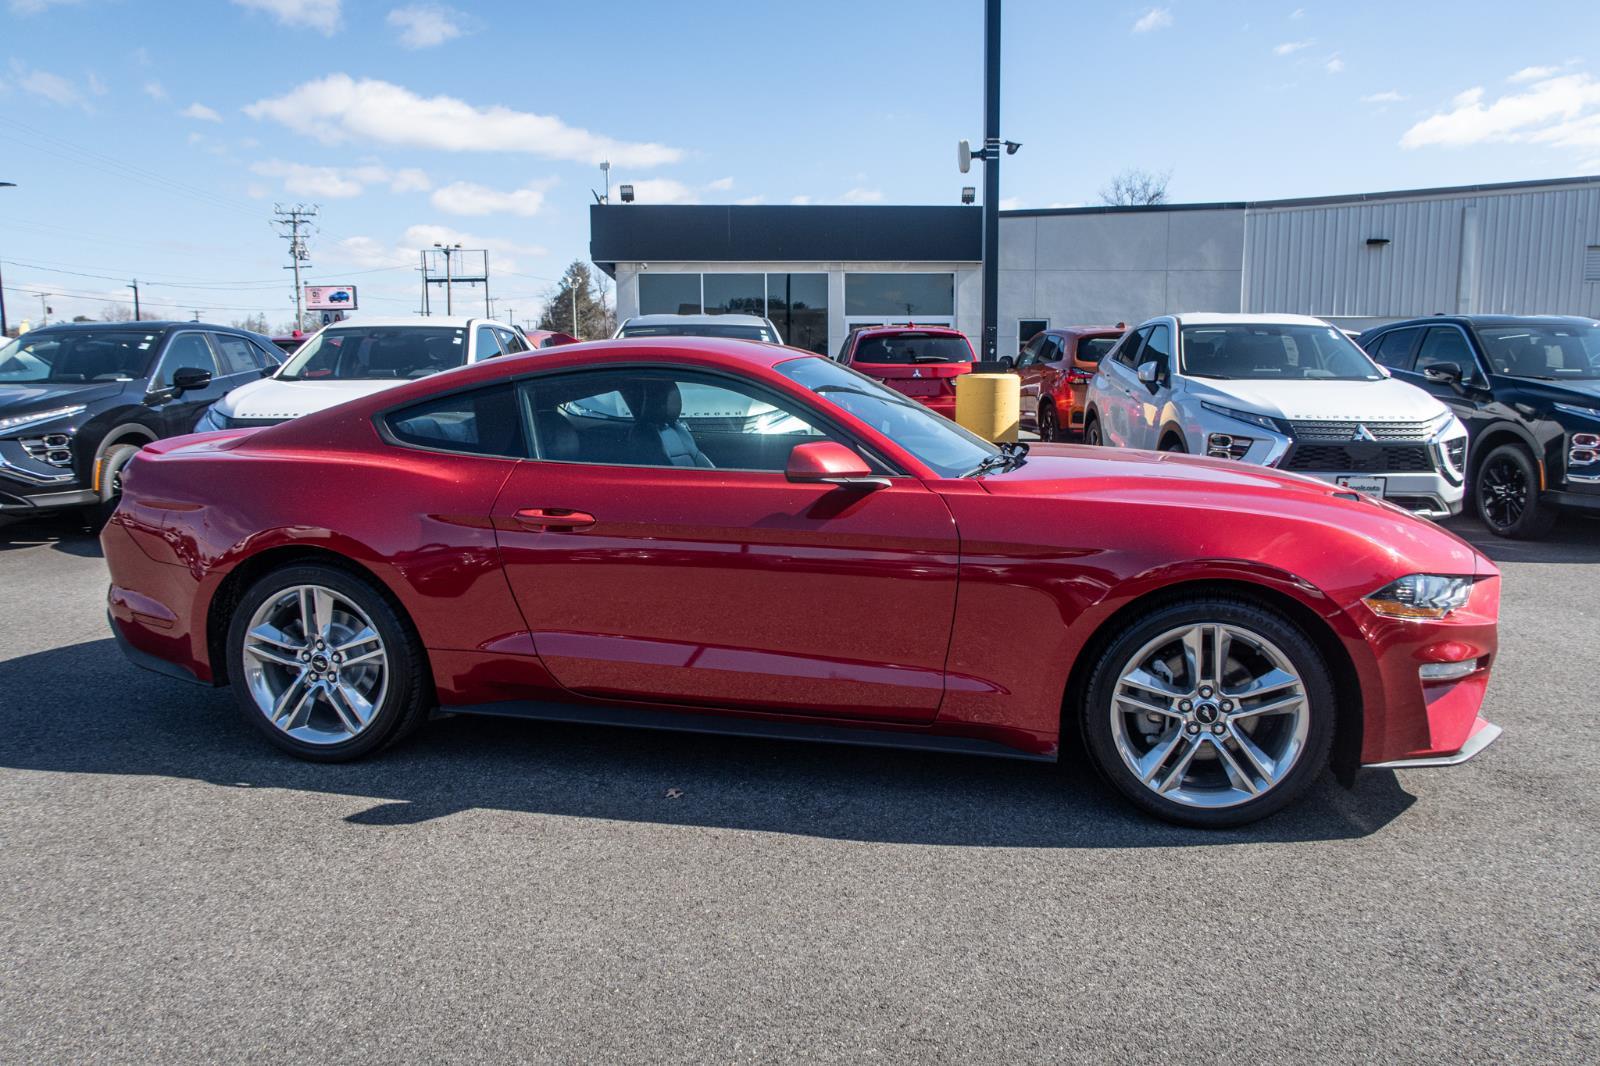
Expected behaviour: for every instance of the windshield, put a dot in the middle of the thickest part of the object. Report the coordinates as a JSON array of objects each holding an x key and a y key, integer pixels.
[
  {"x": 913, "y": 348},
  {"x": 943, "y": 446},
  {"x": 77, "y": 357},
  {"x": 687, "y": 329},
  {"x": 377, "y": 352},
  {"x": 1252, "y": 352},
  {"x": 1548, "y": 352},
  {"x": 1094, "y": 349}
]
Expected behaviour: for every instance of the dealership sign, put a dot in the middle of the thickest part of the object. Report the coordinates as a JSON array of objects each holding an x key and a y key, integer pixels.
[{"x": 330, "y": 297}]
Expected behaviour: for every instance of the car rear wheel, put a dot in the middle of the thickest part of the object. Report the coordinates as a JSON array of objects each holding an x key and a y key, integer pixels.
[
  {"x": 1173, "y": 444},
  {"x": 324, "y": 664},
  {"x": 1507, "y": 491},
  {"x": 1091, "y": 431},
  {"x": 1210, "y": 712},
  {"x": 112, "y": 463},
  {"x": 1049, "y": 425}
]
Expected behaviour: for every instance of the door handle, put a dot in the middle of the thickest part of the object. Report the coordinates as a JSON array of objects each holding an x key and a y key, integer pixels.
[{"x": 554, "y": 519}]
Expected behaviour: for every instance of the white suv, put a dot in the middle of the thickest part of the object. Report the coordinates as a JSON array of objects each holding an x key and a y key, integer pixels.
[{"x": 1286, "y": 391}]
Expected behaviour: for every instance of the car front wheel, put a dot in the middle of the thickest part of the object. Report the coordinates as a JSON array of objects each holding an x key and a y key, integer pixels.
[
  {"x": 1210, "y": 712},
  {"x": 1507, "y": 491},
  {"x": 1091, "y": 431},
  {"x": 324, "y": 665},
  {"x": 1049, "y": 427}
]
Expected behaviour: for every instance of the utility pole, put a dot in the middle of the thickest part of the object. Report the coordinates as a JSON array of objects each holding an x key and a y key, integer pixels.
[
  {"x": 427, "y": 312},
  {"x": 291, "y": 220},
  {"x": 135, "y": 287},
  {"x": 196, "y": 316},
  {"x": 3, "y": 327},
  {"x": 575, "y": 305},
  {"x": 449, "y": 278},
  {"x": 44, "y": 308},
  {"x": 991, "y": 180}
]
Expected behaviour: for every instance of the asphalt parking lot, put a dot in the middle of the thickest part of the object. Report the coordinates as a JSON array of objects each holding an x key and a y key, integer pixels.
[{"x": 176, "y": 890}]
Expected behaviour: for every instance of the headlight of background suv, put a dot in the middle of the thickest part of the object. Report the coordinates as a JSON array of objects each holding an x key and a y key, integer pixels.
[
  {"x": 1421, "y": 596},
  {"x": 1250, "y": 417},
  {"x": 19, "y": 421},
  {"x": 211, "y": 420}
]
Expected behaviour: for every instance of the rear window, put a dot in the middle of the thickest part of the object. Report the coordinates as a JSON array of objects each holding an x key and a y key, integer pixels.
[
  {"x": 701, "y": 329},
  {"x": 1093, "y": 349},
  {"x": 378, "y": 353},
  {"x": 905, "y": 348}
]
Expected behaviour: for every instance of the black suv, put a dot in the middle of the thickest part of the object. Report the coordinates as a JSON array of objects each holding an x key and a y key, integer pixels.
[
  {"x": 1528, "y": 389},
  {"x": 76, "y": 401}
]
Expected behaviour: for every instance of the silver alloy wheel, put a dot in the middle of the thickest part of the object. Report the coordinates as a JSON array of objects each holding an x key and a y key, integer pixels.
[
  {"x": 315, "y": 665},
  {"x": 1210, "y": 715}
]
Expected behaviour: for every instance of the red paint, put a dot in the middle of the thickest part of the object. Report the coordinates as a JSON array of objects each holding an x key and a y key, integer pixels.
[
  {"x": 1062, "y": 382},
  {"x": 931, "y": 384},
  {"x": 952, "y": 606}
]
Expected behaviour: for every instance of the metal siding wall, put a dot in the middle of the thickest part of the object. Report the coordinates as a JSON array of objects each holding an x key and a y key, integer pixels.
[{"x": 1315, "y": 260}]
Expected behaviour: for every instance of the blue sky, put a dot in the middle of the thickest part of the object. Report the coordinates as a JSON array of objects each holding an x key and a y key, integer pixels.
[{"x": 151, "y": 140}]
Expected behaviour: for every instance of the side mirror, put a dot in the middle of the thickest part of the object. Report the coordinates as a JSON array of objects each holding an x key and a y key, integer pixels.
[
  {"x": 189, "y": 378},
  {"x": 1150, "y": 374},
  {"x": 1443, "y": 373},
  {"x": 829, "y": 462}
]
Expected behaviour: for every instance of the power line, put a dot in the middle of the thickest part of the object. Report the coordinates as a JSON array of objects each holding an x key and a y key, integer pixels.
[{"x": 292, "y": 219}]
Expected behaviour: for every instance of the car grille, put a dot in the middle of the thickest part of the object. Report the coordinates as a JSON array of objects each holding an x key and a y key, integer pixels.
[
  {"x": 1348, "y": 430},
  {"x": 1361, "y": 457}
]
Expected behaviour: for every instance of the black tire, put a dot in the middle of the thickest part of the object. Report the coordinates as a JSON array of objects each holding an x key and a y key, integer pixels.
[
  {"x": 1095, "y": 716},
  {"x": 408, "y": 695},
  {"x": 111, "y": 467},
  {"x": 1091, "y": 431},
  {"x": 1049, "y": 423},
  {"x": 1174, "y": 444},
  {"x": 1506, "y": 490}
]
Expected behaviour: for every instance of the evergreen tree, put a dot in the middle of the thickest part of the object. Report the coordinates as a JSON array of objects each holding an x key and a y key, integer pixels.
[{"x": 577, "y": 297}]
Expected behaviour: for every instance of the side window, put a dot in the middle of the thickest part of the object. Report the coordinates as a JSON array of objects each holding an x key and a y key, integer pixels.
[
  {"x": 665, "y": 419},
  {"x": 236, "y": 354},
  {"x": 1393, "y": 349},
  {"x": 187, "y": 349},
  {"x": 1445, "y": 344},
  {"x": 511, "y": 341},
  {"x": 1030, "y": 351},
  {"x": 1158, "y": 349},
  {"x": 488, "y": 346},
  {"x": 1052, "y": 350},
  {"x": 1128, "y": 352},
  {"x": 481, "y": 422},
  {"x": 267, "y": 357}
]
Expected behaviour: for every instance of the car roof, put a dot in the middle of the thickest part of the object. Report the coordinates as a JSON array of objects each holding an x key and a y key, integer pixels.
[
  {"x": 695, "y": 320},
  {"x": 1494, "y": 320},
  {"x": 1243, "y": 318},
  {"x": 144, "y": 324},
  {"x": 908, "y": 327},
  {"x": 459, "y": 321},
  {"x": 1082, "y": 331}
]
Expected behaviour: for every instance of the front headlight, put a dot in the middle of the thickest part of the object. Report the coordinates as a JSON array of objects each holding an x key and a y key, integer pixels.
[
  {"x": 1250, "y": 417},
  {"x": 23, "y": 421},
  {"x": 1574, "y": 409},
  {"x": 1421, "y": 596},
  {"x": 210, "y": 421}
]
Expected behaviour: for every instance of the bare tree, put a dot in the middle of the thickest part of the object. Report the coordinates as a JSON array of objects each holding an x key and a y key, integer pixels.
[
  {"x": 1136, "y": 188},
  {"x": 117, "y": 313}
]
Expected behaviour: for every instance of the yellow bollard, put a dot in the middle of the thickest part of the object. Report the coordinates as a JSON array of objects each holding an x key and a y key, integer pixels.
[{"x": 989, "y": 405}]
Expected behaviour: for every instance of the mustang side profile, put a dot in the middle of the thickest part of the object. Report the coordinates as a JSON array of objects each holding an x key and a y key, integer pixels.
[{"x": 726, "y": 536}]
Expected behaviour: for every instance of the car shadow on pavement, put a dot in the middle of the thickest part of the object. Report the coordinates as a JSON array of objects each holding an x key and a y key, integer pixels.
[
  {"x": 95, "y": 714},
  {"x": 63, "y": 534},
  {"x": 1575, "y": 539}
]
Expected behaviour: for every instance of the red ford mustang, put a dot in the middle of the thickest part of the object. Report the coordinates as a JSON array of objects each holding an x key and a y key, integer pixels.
[{"x": 732, "y": 537}]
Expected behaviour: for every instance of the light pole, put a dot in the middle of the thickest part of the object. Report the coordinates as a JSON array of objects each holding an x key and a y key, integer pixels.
[
  {"x": 449, "y": 278},
  {"x": 993, "y": 147},
  {"x": 134, "y": 285},
  {"x": 4, "y": 185},
  {"x": 605, "y": 168}
]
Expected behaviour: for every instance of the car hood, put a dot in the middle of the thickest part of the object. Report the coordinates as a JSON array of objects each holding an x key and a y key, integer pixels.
[
  {"x": 1196, "y": 485},
  {"x": 21, "y": 399},
  {"x": 1387, "y": 400},
  {"x": 1578, "y": 393},
  {"x": 271, "y": 398}
]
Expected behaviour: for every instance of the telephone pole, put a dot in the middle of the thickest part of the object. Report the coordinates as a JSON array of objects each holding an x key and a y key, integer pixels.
[
  {"x": 291, "y": 220},
  {"x": 135, "y": 287}
]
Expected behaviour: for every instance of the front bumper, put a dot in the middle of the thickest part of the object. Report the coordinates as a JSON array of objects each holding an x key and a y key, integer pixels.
[{"x": 1483, "y": 734}]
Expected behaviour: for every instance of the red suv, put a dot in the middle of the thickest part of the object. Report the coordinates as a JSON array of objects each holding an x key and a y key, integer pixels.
[
  {"x": 921, "y": 362},
  {"x": 1056, "y": 367}
]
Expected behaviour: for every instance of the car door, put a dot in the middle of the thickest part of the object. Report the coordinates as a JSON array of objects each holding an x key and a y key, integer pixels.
[
  {"x": 659, "y": 553},
  {"x": 177, "y": 411},
  {"x": 239, "y": 360},
  {"x": 1449, "y": 344},
  {"x": 1149, "y": 399},
  {"x": 1120, "y": 377},
  {"x": 485, "y": 345},
  {"x": 1030, "y": 373}
]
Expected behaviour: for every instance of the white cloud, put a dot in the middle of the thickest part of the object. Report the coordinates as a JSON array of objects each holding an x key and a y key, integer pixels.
[
  {"x": 34, "y": 7},
  {"x": 1388, "y": 97},
  {"x": 1334, "y": 65},
  {"x": 1157, "y": 18},
  {"x": 43, "y": 84},
  {"x": 1011, "y": 203},
  {"x": 861, "y": 195},
  {"x": 800, "y": 200},
  {"x": 426, "y": 25},
  {"x": 466, "y": 198},
  {"x": 369, "y": 253},
  {"x": 1298, "y": 13},
  {"x": 750, "y": 201},
  {"x": 335, "y": 183},
  {"x": 201, "y": 112},
  {"x": 720, "y": 185},
  {"x": 96, "y": 86},
  {"x": 322, "y": 15},
  {"x": 1563, "y": 112},
  {"x": 1533, "y": 74},
  {"x": 662, "y": 191},
  {"x": 502, "y": 252},
  {"x": 155, "y": 90},
  {"x": 1291, "y": 47},
  {"x": 339, "y": 108}
]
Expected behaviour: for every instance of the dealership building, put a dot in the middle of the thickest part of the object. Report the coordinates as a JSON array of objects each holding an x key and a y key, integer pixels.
[{"x": 817, "y": 271}]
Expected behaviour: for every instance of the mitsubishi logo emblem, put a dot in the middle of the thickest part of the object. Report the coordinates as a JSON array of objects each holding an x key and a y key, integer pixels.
[
  {"x": 1363, "y": 433},
  {"x": 917, "y": 372}
]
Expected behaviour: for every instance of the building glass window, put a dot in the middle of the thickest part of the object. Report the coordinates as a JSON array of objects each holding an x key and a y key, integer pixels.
[
  {"x": 1029, "y": 328},
  {"x": 735, "y": 294},
  {"x": 669, "y": 294},
  {"x": 900, "y": 296},
  {"x": 798, "y": 306}
]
